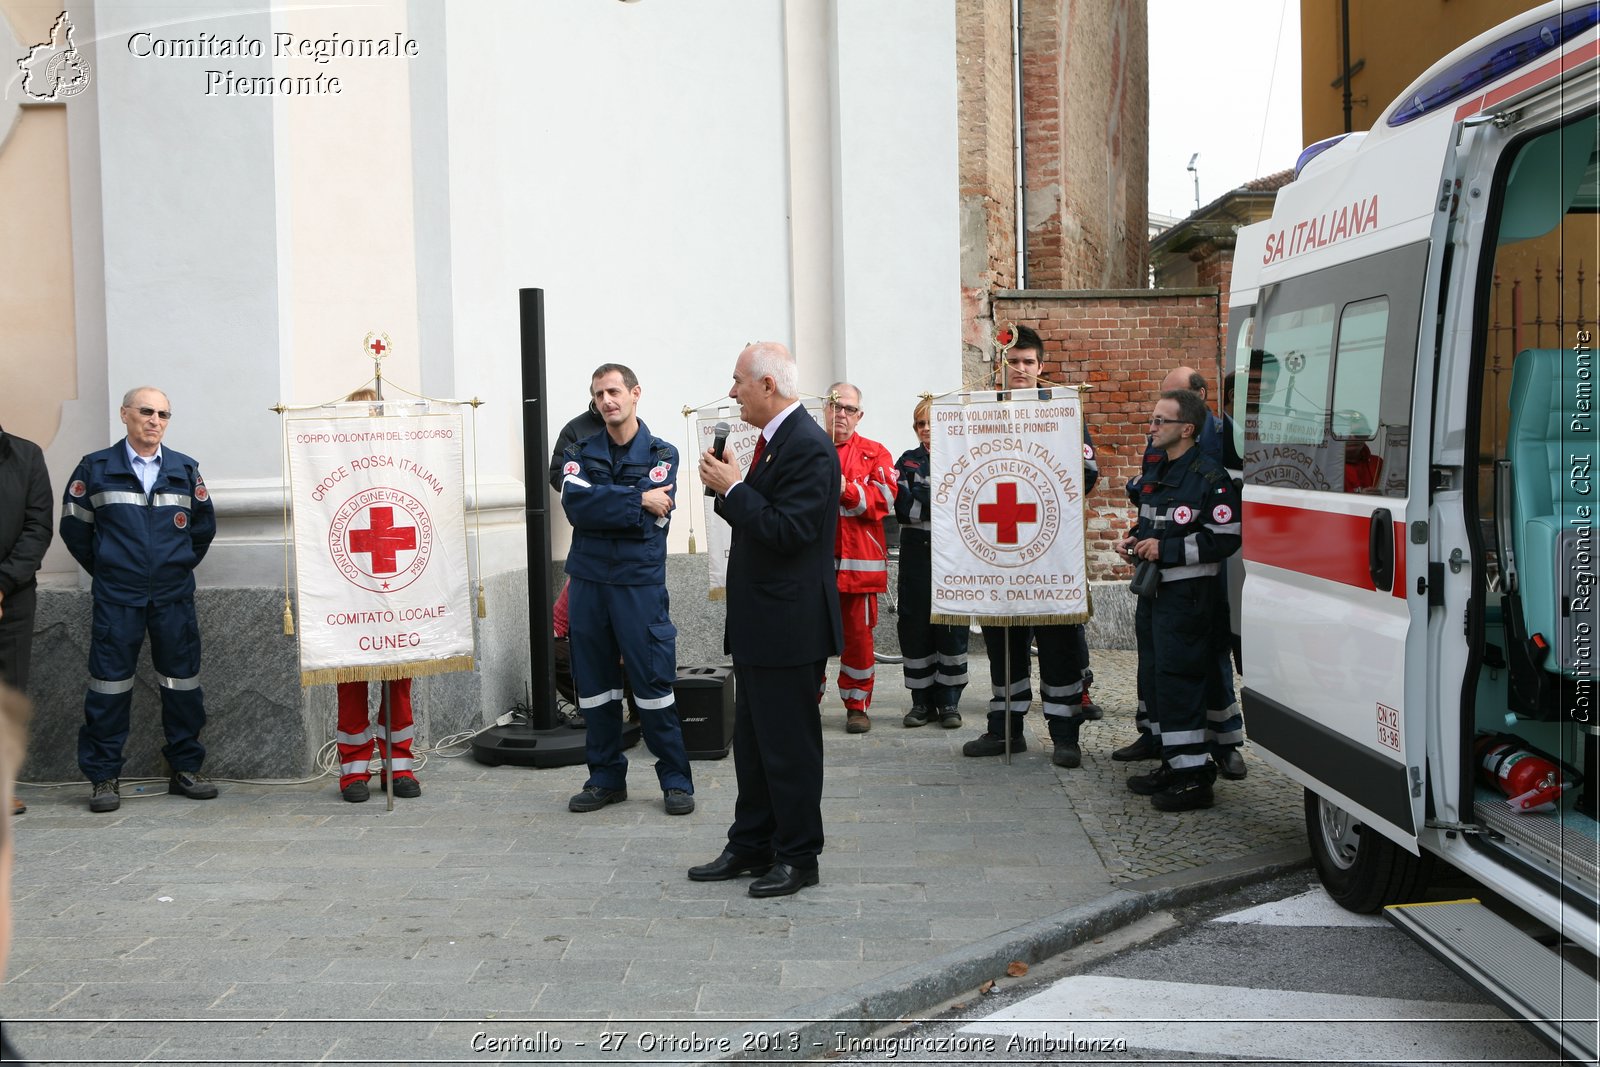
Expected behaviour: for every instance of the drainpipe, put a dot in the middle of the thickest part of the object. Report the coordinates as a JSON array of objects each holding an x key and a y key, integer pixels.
[{"x": 1019, "y": 159}]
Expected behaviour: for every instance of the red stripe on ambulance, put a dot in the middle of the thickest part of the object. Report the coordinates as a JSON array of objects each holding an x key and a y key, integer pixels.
[{"x": 1317, "y": 543}]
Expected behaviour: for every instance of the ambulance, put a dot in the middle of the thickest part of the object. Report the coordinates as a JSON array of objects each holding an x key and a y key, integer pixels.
[{"x": 1412, "y": 373}]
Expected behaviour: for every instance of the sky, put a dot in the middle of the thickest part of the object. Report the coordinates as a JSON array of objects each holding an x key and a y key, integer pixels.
[{"x": 1214, "y": 90}]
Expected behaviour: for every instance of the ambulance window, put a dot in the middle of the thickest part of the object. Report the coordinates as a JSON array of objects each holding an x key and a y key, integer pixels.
[
  {"x": 1357, "y": 389},
  {"x": 1289, "y": 399},
  {"x": 1236, "y": 386}
]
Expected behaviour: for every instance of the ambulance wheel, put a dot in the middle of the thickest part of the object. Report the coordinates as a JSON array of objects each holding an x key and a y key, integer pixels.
[{"x": 1361, "y": 870}]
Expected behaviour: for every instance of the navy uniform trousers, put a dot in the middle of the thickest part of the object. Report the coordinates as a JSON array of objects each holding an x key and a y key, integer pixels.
[
  {"x": 630, "y": 622},
  {"x": 1063, "y": 656},
  {"x": 118, "y": 632}
]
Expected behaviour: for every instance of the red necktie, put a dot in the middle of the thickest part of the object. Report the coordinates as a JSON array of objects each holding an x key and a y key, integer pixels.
[{"x": 761, "y": 446}]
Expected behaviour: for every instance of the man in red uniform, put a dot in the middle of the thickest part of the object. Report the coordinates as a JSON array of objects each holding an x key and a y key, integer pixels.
[{"x": 866, "y": 495}]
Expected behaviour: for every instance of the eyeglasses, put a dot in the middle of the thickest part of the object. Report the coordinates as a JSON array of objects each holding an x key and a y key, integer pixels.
[
  {"x": 921, "y": 424},
  {"x": 846, "y": 408},
  {"x": 1158, "y": 421},
  {"x": 145, "y": 413}
]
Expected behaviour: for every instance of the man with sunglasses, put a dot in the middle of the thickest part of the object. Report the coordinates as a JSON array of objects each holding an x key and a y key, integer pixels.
[
  {"x": 138, "y": 518},
  {"x": 860, "y": 555},
  {"x": 1188, "y": 524}
]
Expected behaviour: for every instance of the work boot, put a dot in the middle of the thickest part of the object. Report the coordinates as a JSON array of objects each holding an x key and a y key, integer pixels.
[
  {"x": 949, "y": 717},
  {"x": 919, "y": 715},
  {"x": 1065, "y": 736},
  {"x": 856, "y": 722},
  {"x": 593, "y": 798},
  {"x": 1146, "y": 747},
  {"x": 356, "y": 792},
  {"x": 1148, "y": 785},
  {"x": 1185, "y": 791},
  {"x": 994, "y": 744},
  {"x": 1091, "y": 710}
]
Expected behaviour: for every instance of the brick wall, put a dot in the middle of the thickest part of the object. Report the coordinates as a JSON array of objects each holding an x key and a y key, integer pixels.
[
  {"x": 988, "y": 195},
  {"x": 1122, "y": 343}
]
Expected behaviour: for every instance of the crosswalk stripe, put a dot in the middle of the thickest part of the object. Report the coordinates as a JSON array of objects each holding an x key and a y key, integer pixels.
[
  {"x": 1269, "y": 1024},
  {"x": 1314, "y": 908}
]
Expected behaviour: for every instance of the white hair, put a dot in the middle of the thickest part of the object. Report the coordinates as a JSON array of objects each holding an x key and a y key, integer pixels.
[
  {"x": 127, "y": 398},
  {"x": 769, "y": 359}
]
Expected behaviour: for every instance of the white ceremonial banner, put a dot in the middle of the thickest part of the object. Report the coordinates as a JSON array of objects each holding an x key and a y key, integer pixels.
[
  {"x": 1006, "y": 498},
  {"x": 740, "y": 447},
  {"x": 380, "y": 544}
]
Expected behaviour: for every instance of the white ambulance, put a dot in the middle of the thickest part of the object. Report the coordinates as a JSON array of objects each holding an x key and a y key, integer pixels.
[{"x": 1413, "y": 367}]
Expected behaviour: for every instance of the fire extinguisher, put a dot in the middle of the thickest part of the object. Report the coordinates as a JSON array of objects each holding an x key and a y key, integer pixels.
[{"x": 1529, "y": 781}]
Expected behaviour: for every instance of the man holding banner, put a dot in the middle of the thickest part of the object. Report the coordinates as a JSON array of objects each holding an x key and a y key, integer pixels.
[
  {"x": 1063, "y": 649},
  {"x": 617, "y": 488}
]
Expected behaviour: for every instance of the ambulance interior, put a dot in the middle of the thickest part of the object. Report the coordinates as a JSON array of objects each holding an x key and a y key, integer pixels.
[{"x": 1533, "y": 712}]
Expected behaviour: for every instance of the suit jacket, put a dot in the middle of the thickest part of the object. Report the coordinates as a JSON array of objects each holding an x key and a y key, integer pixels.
[
  {"x": 783, "y": 603},
  {"x": 27, "y": 509}
]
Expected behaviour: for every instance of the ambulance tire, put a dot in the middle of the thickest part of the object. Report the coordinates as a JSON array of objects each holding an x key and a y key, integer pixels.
[{"x": 1362, "y": 871}]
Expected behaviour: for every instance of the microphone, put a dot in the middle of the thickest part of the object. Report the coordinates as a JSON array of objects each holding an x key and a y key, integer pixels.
[{"x": 718, "y": 443}]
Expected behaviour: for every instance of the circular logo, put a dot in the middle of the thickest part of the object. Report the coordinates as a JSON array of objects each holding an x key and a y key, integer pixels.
[
  {"x": 1295, "y": 362},
  {"x": 201, "y": 492},
  {"x": 571, "y": 467},
  {"x": 1182, "y": 514},
  {"x": 658, "y": 474},
  {"x": 1088, "y": 450},
  {"x": 181, "y": 519},
  {"x": 77, "y": 488},
  {"x": 1007, "y": 511},
  {"x": 1221, "y": 513},
  {"x": 381, "y": 539},
  {"x": 67, "y": 73}
]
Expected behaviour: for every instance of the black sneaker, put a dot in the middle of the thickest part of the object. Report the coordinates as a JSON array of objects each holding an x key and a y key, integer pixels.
[
  {"x": 1148, "y": 785},
  {"x": 678, "y": 802},
  {"x": 356, "y": 792},
  {"x": 1066, "y": 755},
  {"x": 593, "y": 798},
  {"x": 1146, "y": 747},
  {"x": 949, "y": 718},
  {"x": 993, "y": 745},
  {"x": 192, "y": 785},
  {"x": 1185, "y": 792},
  {"x": 107, "y": 795},
  {"x": 919, "y": 715}
]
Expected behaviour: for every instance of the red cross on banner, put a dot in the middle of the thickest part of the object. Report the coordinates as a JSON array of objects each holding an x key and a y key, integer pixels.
[
  {"x": 1006, "y": 514},
  {"x": 378, "y": 347},
  {"x": 383, "y": 539}
]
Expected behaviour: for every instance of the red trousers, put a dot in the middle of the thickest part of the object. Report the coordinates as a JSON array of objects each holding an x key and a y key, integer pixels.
[
  {"x": 356, "y": 733},
  {"x": 857, "y": 664}
]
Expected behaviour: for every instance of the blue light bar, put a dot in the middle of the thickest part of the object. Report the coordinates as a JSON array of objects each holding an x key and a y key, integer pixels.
[
  {"x": 1312, "y": 151},
  {"x": 1495, "y": 60}
]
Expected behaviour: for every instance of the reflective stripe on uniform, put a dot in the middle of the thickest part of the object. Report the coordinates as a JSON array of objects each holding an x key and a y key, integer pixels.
[
  {"x": 599, "y": 699},
  {"x": 79, "y": 513},
  {"x": 1183, "y": 737},
  {"x": 358, "y": 766},
  {"x": 110, "y": 688},
  {"x": 352, "y": 740},
  {"x": 654, "y": 703},
  {"x": 913, "y": 664},
  {"x": 857, "y": 672},
  {"x": 854, "y": 694},
  {"x": 171, "y": 500},
  {"x": 575, "y": 480},
  {"x": 102, "y": 499},
  {"x": 860, "y": 565},
  {"x": 400, "y": 736},
  {"x": 1193, "y": 570},
  {"x": 179, "y": 685},
  {"x": 400, "y": 764}
]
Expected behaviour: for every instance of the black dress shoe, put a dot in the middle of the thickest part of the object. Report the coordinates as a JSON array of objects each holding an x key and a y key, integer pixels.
[
  {"x": 783, "y": 880},
  {"x": 1230, "y": 764},
  {"x": 728, "y": 865}
]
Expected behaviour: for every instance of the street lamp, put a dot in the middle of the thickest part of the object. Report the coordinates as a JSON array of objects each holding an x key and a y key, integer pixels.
[{"x": 1196, "y": 172}]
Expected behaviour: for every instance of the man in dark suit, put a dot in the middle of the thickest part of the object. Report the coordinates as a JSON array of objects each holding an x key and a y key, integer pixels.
[{"x": 783, "y": 623}]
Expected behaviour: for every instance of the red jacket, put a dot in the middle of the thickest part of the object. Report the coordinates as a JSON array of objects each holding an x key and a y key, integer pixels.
[{"x": 859, "y": 553}]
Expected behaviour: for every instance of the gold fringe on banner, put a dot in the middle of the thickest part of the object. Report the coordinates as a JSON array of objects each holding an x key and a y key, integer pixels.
[
  {"x": 390, "y": 672},
  {"x": 717, "y": 594},
  {"x": 1014, "y": 620}
]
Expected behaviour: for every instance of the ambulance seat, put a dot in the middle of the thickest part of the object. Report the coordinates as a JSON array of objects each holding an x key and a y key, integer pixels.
[{"x": 1545, "y": 497}]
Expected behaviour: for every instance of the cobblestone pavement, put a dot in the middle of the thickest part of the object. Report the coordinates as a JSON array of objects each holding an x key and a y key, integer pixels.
[{"x": 243, "y": 929}]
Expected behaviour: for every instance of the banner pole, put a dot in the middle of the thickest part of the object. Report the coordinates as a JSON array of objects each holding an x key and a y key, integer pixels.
[
  {"x": 1006, "y": 632},
  {"x": 388, "y": 743}
]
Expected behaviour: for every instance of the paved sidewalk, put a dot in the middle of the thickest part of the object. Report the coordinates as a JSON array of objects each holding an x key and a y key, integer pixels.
[{"x": 483, "y": 923}]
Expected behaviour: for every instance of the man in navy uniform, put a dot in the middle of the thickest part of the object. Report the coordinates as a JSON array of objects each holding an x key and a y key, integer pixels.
[
  {"x": 1188, "y": 524},
  {"x": 783, "y": 624},
  {"x": 138, "y": 518},
  {"x": 617, "y": 488}
]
